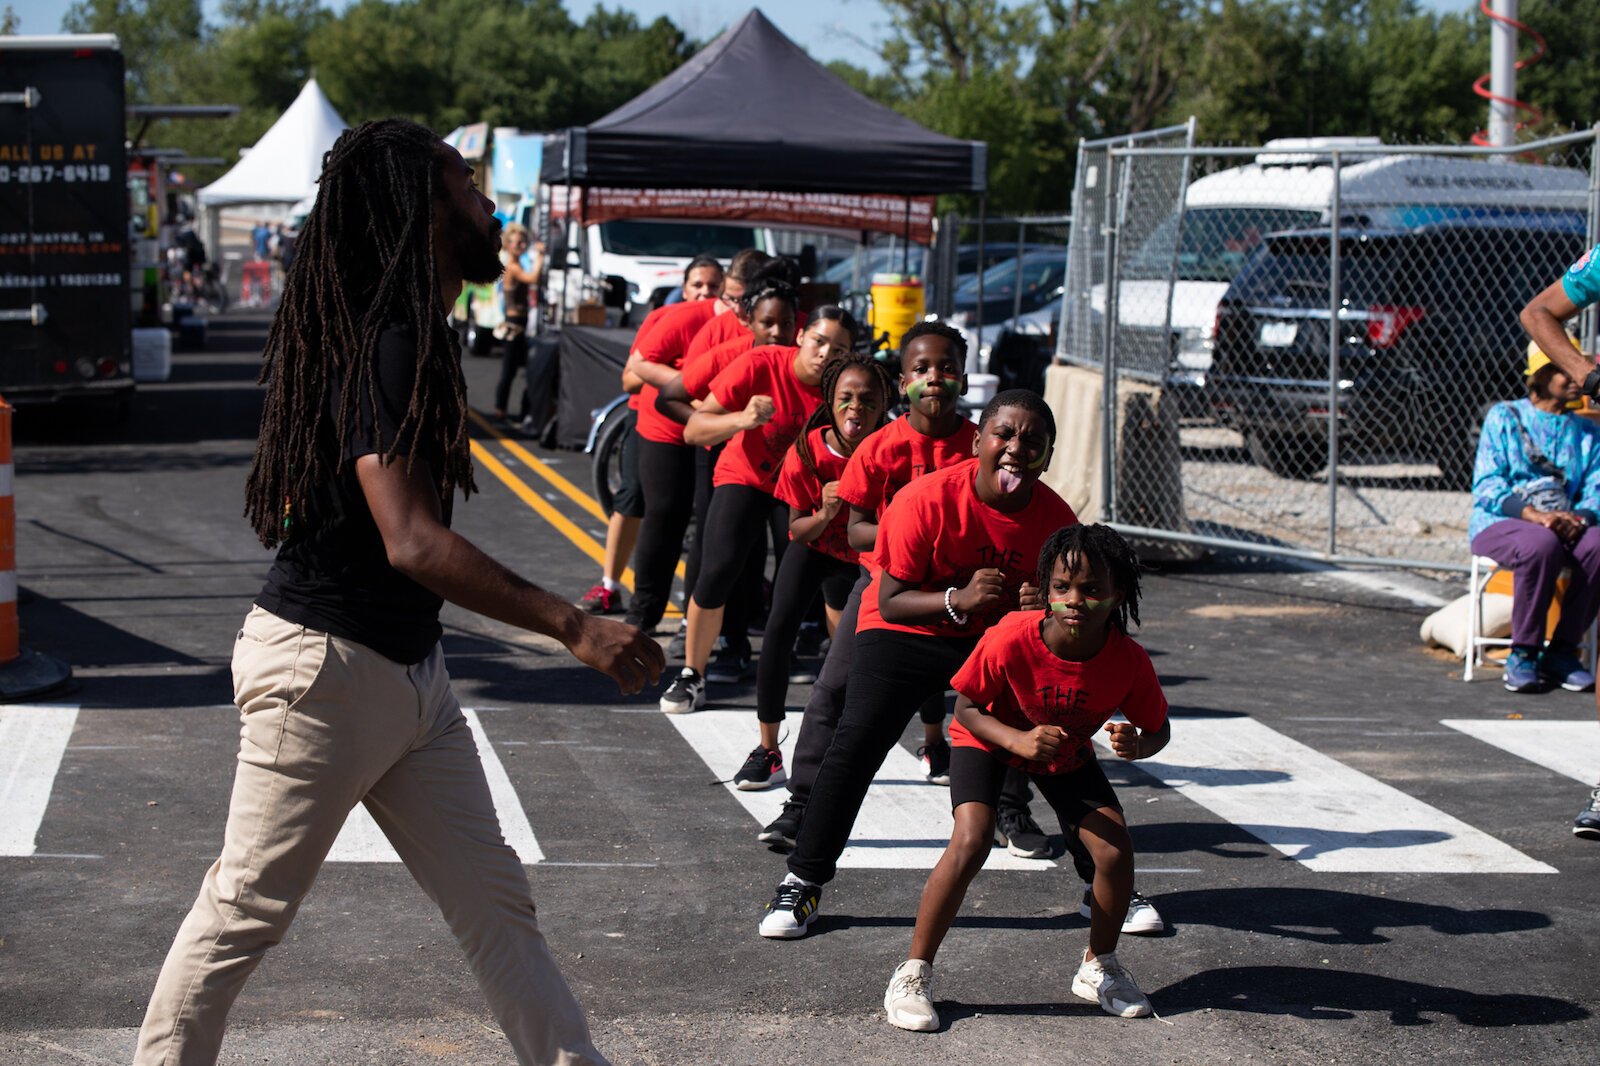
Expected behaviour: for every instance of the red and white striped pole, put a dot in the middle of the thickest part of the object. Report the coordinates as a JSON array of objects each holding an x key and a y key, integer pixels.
[
  {"x": 23, "y": 672},
  {"x": 10, "y": 633}
]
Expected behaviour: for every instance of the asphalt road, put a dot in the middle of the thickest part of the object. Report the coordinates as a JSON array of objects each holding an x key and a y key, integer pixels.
[{"x": 1347, "y": 876}]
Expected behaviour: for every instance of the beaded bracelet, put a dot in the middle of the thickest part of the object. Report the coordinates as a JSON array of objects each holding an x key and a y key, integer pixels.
[{"x": 949, "y": 609}]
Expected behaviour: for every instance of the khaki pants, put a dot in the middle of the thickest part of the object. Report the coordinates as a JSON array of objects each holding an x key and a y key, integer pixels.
[{"x": 328, "y": 723}]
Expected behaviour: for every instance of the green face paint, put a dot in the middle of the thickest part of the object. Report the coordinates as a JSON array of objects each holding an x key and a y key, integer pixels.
[
  {"x": 1037, "y": 463},
  {"x": 843, "y": 405},
  {"x": 952, "y": 386}
]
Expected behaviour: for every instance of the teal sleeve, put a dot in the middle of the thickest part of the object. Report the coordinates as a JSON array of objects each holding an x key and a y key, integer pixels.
[{"x": 1581, "y": 282}]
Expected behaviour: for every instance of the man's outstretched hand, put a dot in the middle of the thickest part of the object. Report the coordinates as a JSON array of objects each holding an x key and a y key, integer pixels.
[{"x": 619, "y": 651}]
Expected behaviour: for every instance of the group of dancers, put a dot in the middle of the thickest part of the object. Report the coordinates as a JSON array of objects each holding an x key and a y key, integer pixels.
[{"x": 938, "y": 560}]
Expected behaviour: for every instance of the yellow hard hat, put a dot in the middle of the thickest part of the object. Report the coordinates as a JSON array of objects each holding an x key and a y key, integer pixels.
[{"x": 1537, "y": 358}]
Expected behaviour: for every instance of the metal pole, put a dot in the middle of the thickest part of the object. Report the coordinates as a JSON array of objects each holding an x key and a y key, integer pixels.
[
  {"x": 1022, "y": 243},
  {"x": 1335, "y": 339},
  {"x": 566, "y": 256},
  {"x": 1588, "y": 323},
  {"x": 1108, "y": 420},
  {"x": 905, "y": 253},
  {"x": 1503, "y": 74},
  {"x": 977, "y": 315}
]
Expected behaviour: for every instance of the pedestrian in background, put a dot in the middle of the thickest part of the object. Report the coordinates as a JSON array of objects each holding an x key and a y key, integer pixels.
[{"x": 337, "y": 670}]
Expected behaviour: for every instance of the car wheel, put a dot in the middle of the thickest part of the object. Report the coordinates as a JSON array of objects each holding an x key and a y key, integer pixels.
[
  {"x": 608, "y": 457},
  {"x": 1291, "y": 455}
]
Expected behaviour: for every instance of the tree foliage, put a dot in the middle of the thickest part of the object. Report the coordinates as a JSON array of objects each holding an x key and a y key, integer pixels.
[{"x": 1029, "y": 77}]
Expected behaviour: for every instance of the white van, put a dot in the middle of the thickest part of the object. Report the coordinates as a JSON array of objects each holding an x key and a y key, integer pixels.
[
  {"x": 628, "y": 262},
  {"x": 1290, "y": 186}
]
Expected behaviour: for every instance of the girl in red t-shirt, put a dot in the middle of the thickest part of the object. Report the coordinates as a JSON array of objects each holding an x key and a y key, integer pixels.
[
  {"x": 855, "y": 403},
  {"x": 1031, "y": 696},
  {"x": 758, "y": 406}
]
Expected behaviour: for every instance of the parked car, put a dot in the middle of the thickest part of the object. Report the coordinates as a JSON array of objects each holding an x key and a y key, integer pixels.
[{"x": 1428, "y": 338}]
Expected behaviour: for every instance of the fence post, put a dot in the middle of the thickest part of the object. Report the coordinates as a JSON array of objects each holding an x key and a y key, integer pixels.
[
  {"x": 1335, "y": 339},
  {"x": 1589, "y": 324},
  {"x": 23, "y": 672}
]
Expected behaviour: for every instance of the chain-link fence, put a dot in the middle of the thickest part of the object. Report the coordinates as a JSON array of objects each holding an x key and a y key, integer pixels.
[{"x": 1324, "y": 324}]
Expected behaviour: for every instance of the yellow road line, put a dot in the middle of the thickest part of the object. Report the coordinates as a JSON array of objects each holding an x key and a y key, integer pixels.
[
  {"x": 563, "y": 525},
  {"x": 543, "y": 469}
]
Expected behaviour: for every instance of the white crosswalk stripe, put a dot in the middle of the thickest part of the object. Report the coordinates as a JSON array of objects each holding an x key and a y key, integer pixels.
[
  {"x": 33, "y": 739},
  {"x": 1570, "y": 748},
  {"x": 362, "y": 841},
  {"x": 1318, "y": 811},
  {"x": 904, "y": 823}
]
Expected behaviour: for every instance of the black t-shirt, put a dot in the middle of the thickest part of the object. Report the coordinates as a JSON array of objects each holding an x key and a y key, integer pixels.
[{"x": 335, "y": 575}]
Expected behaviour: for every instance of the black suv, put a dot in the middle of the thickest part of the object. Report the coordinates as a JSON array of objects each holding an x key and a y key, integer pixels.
[{"x": 1429, "y": 338}]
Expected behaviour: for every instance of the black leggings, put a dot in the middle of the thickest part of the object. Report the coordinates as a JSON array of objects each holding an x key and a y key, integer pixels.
[
  {"x": 801, "y": 574},
  {"x": 827, "y": 700},
  {"x": 891, "y": 673},
  {"x": 736, "y": 526},
  {"x": 666, "y": 474},
  {"x": 514, "y": 359}
]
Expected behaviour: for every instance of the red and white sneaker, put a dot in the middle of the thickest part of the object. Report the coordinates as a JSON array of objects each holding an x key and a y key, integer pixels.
[{"x": 601, "y": 600}]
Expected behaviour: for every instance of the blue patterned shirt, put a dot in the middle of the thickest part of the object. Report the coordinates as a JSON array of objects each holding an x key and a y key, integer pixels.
[{"x": 1569, "y": 441}]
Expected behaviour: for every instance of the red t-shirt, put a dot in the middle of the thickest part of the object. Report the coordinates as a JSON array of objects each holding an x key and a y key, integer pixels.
[
  {"x": 701, "y": 369},
  {"x": 802, "y": 490},
  {"x": 1022, "y": 683},
  {"x": 937, "y": 534},
  {"x": 666, "y": 344},
  {"x": 720, "y": 330},
  {"x": 754, "y": 456},
  {"x": 896, "y": 455},
  {"x": 650, "y": 322}
]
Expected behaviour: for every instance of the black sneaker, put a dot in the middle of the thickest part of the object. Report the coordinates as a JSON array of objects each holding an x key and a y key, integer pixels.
[
  {"x": 686, "y": 693},
  {"x": 801, "y": 673},
  {"x": 786, "y": 826},
  {"x": 936, "y": 762},
  {"x": 677, "y": 647},
  {"x": 808, "y": 642},
  {"x": 728, "y": 668},
  {"x": 763, "y": 769},
  {"x": 791, "y": 912},
  {"x": 1587, "y": 824},
  {"x": 1021, "y": 835}
]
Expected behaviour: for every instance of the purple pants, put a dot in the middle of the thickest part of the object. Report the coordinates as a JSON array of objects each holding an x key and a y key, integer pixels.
[{"x": 1535, "y": 556}]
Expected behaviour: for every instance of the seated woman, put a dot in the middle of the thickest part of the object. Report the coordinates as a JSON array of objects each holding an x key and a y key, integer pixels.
[{"x": 1535, "y": 509}]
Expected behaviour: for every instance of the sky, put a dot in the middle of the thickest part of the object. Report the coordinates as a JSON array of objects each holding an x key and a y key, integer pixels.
[{"x": 828, "y": 29}]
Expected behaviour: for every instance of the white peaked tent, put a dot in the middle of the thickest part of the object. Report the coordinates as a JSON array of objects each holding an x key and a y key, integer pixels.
[{"x": 283, "y": 166}]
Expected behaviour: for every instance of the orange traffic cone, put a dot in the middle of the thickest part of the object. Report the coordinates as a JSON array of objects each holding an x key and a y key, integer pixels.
[{"x": 24, "y": 673}]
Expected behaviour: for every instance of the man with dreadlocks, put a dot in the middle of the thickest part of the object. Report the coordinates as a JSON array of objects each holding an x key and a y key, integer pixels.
[{"x": 337, "y": 671}]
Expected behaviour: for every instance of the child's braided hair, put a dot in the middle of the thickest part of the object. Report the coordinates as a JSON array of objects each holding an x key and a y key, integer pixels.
[
  {"x": 1100, "y": 547},
  {"x": 824, "y": 414}
]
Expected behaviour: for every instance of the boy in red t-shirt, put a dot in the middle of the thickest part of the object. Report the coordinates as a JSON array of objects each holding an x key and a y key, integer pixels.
[
  {"x": 933, "y": 434},
  {"x": 955, "y": 549},
  {"x": 1032, "y": 695},
  {"x": 758, "y": 406}
]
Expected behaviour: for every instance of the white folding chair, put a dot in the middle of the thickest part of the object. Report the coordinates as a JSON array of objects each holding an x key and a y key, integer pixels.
[{"x": 1484, "y": 568}]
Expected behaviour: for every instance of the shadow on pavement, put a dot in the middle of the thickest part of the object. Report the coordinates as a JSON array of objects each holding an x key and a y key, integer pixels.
[
  {"x": 1327, "y": 917},
  {"x": 1307, "y": 843},
  {"x": 1325, "y": 994}
]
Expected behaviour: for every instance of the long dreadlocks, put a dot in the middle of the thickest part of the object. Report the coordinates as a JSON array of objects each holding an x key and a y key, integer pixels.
[
  {"x": 825, "y": 415},
  {"x": 365, "y": 260},
  {"x": 1100, "y": 548}
]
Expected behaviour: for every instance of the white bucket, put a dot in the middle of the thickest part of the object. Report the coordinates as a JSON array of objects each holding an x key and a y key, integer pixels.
[
  {"x": 981, "y": 388},
  {"x": 152, "y": 354}
]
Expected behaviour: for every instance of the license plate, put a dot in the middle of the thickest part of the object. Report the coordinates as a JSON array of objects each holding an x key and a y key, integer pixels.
[{"x": 1278, "y": 334}]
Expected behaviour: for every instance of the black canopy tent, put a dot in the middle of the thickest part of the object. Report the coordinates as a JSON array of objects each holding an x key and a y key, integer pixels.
[
  {"x": 752, "y": 111},
  {"x": 749, "y": 111}
]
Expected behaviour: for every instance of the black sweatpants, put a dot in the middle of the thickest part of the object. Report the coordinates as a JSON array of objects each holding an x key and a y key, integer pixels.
[
  {"x": 736, "y": 526},
  {"x": 666, "y": 474},
  {"x": 802, "y": 573},
  {"x": 890, "y": 674},
  {"x": 827, "y": 700}
]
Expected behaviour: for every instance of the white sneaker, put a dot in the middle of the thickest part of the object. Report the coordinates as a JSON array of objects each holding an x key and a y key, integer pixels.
[
  {"x": 686, "y": 693},
  {"x": 1142, "y": 920},
  {"x": 791, "y": 912},
  {"x": 909, "y": 998},
  {"x": 1103, "y": 980}
]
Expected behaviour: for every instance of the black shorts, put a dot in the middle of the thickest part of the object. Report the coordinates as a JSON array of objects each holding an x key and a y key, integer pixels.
[
  {"x": 976, "y": 777},
  {"x": 628, "y": 500}
]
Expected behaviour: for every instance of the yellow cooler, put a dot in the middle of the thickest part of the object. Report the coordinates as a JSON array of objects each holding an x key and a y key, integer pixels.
[{"x": 897, "y": 305}]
